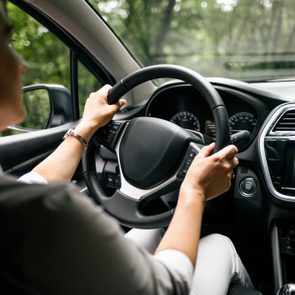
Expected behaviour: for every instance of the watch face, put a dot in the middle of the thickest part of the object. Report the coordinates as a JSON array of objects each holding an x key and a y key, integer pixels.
[{"x": 71, "y": 132}]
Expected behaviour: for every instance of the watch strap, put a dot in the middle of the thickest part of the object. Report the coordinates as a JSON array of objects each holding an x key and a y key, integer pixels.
[{"x": 72, "y": 133}]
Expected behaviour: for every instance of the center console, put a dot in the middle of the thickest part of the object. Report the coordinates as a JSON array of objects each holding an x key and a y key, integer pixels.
[
  {"x": 280, "y": 151},
  {"x": 277, "y": 153}
]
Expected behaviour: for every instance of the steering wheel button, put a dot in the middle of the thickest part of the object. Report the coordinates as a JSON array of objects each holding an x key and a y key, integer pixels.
[
  {"x": 117, "y": 181},
  {"x": 184, "y": 169},
  {"x": 110, "y": 179},
  {"x": 110, "y": 135},
  {"x": 109, "y": 138}
]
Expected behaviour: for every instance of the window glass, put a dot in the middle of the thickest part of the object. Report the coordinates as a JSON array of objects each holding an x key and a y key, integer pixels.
[
  {"x": 48, "y": 62},
  {"x": 47, "y": 57},
  {"x": 251, "y": 40},
  {"x": 87, "y": 83},
  {"x": 37, "y": 105}
]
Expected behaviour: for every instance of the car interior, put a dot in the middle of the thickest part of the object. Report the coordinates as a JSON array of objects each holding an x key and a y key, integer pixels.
[{"x": 145, "y": 151}]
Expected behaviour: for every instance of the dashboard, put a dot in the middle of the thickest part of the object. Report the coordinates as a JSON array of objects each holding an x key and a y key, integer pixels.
[
  {"x": 188, "y": 108},
  {"x": 262, "y": 194}
]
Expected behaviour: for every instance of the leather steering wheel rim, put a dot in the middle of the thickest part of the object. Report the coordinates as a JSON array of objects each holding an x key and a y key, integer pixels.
[{"x": 120, "y": 205}]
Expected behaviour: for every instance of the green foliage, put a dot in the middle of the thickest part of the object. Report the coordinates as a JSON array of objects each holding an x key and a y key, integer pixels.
[
  {"x": 48, "y": 62},
  {"x": 87, "y": 83},
  {"x": 244, "y": 39},
  {"x": 37, "y": 105},
  {"x": 247, "y": 39},
  {"x": 47, "y": 57}
]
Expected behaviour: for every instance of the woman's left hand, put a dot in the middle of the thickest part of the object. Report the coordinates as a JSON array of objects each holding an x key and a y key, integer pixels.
[{"x": 97, "y": 112}]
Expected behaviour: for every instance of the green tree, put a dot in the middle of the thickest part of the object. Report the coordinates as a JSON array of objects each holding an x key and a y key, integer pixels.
[
  {"x": 247, "y": 39},
  {"x": 47, "y": 57}
]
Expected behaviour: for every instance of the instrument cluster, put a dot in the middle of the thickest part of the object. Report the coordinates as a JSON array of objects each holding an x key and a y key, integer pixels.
[{"x": 187, "y": 108}]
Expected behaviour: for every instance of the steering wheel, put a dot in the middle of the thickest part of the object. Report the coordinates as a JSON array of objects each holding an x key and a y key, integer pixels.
[{"x": 153, "y": 154}]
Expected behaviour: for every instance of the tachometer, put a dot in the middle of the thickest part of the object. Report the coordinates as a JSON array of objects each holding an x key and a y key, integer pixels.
[
  {"x": 186, "y": 120},
  {"x": 242, "y": 121}
]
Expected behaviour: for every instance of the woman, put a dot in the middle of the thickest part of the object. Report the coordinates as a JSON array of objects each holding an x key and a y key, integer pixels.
[{"x": 53, "y": 241}]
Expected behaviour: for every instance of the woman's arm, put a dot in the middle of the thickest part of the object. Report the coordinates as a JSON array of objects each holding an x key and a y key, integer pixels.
[
  {"x": 207, "y": 177},
  {"x": 63, "y": 162}
]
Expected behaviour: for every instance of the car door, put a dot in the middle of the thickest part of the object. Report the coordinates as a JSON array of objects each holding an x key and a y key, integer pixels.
[{"x": 59, "y": 77}]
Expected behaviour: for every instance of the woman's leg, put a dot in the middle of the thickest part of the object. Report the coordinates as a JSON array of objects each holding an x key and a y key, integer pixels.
[{"x": 217, "y": 265}]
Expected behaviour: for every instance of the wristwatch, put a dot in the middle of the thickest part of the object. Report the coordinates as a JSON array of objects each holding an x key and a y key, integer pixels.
[{"x": 71, "y": 132}]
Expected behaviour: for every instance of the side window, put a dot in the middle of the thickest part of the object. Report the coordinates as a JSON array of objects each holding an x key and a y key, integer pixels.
[
  {"x": 48, "y": 62},
  {"x": 87, "y": 83},
  {"x": 47, "y": 57},
  {"x": 47, "y": 83}
]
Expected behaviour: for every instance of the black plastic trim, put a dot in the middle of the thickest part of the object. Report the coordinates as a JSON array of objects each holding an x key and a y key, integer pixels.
[{"x": 74, "y": 84}]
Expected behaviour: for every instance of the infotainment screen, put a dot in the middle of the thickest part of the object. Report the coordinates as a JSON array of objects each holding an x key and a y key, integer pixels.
[{"x": 210, "y": 128}]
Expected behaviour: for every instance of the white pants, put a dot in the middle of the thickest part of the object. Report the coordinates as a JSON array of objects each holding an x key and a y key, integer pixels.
[{"x": 218, "y": 263}]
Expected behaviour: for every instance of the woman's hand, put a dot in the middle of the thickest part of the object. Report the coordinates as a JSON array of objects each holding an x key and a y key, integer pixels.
[
  {"x": 210, "y": 175},
  {"x": 97, "y": 112}
]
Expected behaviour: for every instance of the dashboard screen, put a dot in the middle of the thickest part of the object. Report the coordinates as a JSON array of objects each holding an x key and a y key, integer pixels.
[{"x": 210, "y": 128}]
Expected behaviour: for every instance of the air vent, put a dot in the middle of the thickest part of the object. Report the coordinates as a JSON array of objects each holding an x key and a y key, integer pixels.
[{"x": 286, "y": 122}]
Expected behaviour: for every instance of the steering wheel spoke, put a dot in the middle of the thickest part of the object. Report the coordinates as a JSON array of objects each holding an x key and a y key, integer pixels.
[
  {"x": 138, "y": 194},
  {"x": 191, "y": 152},
  {"x": 109, "y": 134},
  {"x": 173, "y": 182},
  {"x": 128, "y": 212}
]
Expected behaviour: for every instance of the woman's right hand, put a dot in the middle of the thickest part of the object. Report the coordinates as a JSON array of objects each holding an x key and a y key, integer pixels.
[{"x": 210, "y": 174}]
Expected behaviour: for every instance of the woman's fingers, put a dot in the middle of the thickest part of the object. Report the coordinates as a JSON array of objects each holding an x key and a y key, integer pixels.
[
  {"x": 206, "y": 150},
  {"x": 227, "y": 153}
]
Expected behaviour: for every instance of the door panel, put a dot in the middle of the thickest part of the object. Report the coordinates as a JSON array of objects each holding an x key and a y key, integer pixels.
[{"x": 20, "y": 153}]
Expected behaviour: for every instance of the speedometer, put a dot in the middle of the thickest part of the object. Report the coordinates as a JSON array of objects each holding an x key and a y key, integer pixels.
[
  {"x": 186, "y": 120},
  {"x": 242, "y": 121}
]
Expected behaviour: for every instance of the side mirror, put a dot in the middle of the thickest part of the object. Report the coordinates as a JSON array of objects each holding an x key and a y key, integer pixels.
[
  {"x": 46, "y": 105},
  {"x": 37, "y": 105}
]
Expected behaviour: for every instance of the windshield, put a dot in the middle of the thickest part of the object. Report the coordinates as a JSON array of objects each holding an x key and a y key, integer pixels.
[{"x": 250, "y": 40}]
